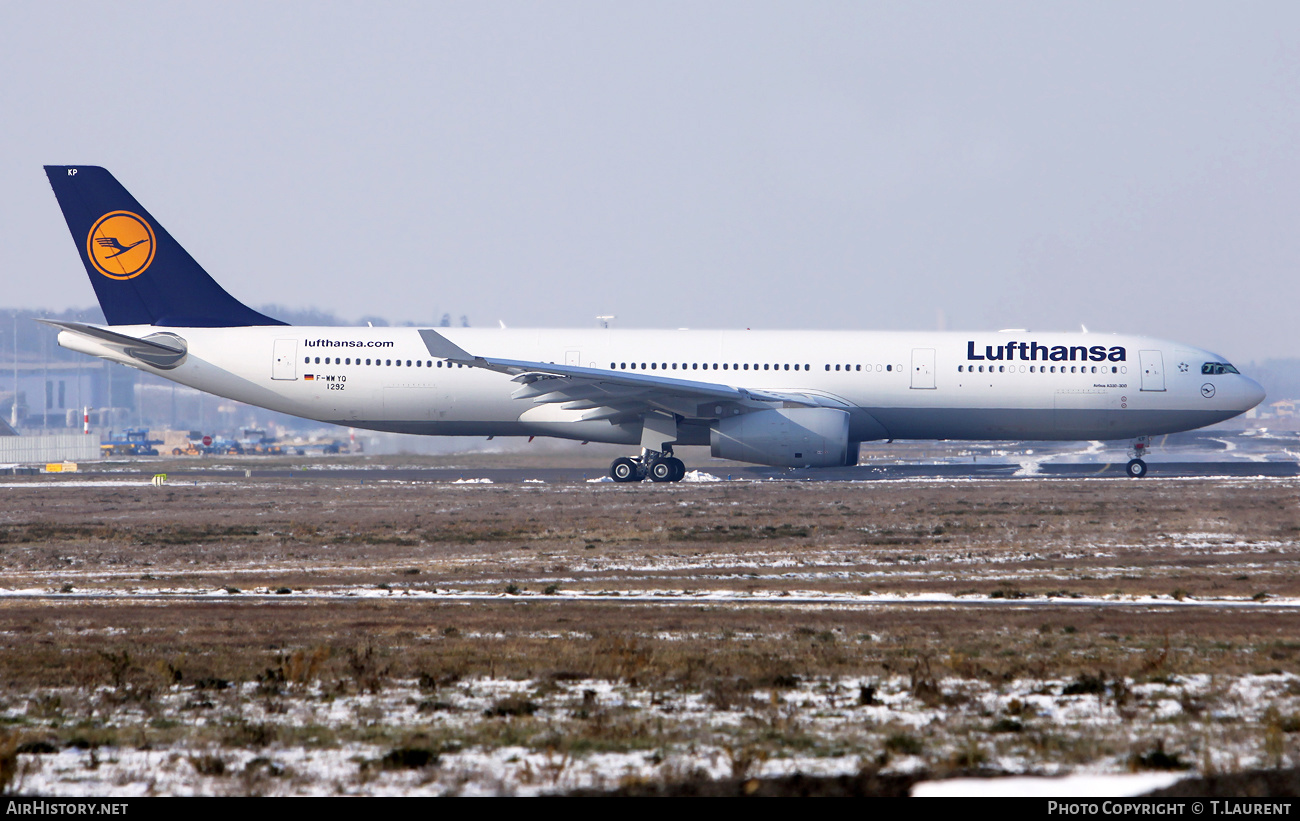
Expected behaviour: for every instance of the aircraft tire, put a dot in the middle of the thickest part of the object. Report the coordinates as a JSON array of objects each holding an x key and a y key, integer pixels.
[
  {"x": 662, "y": 470},
  {"x": 1136, "y": 468},
  {"x": 624, "y": 469},
  {"x": 679, "y": 469}
]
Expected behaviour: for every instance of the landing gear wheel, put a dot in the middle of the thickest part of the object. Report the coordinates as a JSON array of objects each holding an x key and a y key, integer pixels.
[
  {"x": 624, "y": 470},
  {"x": 662, "y": 470},
  {"x": 679, "y": 469},
  {"x": 1137, "y": 468}
]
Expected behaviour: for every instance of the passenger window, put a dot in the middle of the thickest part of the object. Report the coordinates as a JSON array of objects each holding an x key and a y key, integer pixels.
[
  {"x": 889, "y": 367},
  {"x": 318, "y": 360}
]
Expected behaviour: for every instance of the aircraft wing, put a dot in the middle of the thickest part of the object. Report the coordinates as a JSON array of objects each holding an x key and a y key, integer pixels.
[{"x": 619, "y": 395}]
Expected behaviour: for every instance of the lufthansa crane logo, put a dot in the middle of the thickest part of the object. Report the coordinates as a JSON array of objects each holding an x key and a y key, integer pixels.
[{"x": 120, "y": 245}]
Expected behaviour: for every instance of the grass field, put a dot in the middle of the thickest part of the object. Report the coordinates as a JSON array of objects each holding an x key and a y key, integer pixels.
[{"x": 319, "y": 636}]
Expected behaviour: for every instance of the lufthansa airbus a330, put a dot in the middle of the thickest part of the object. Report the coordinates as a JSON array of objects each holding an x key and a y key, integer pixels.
[{"x": 782, "y": 398}]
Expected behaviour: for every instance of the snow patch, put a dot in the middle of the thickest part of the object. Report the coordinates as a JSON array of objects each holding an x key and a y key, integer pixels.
[
  {"x": 1070, "y": 786},
  {"x": 700, "y": 476}
]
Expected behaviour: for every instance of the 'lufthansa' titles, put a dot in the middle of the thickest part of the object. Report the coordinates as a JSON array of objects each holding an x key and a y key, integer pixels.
[{"x": 1033, "y": 351}]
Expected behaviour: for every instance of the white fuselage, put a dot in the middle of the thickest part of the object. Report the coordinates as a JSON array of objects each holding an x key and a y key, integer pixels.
[{"x": 952, "y": 385}]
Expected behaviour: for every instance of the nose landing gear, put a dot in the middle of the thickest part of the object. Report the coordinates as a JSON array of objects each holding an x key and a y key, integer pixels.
[
  {"x": 1137, "y": 468},
  {"x": 658, "y": 465}
]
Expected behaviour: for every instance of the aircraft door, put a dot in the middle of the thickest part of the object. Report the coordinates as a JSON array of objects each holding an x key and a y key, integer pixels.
[
  {"x": 1153, "y": 370},
  {"x": 923, "y": 368},
  {"x": 573, "y": 358},
  {"x": 284, "y": 364}
]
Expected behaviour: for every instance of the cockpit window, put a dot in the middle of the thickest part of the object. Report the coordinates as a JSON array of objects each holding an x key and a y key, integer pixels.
[{"x": 1215, "y": 368}]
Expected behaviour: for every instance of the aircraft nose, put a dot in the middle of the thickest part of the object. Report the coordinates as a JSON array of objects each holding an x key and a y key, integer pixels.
[{"x": 1252, "y": 393}]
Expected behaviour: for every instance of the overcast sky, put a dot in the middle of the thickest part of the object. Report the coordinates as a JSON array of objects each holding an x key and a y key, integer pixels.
[{"x": 1130, "y": 166}]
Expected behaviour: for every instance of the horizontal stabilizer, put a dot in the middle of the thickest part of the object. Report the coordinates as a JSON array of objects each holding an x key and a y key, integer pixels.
[{"x": 161, "y": 350}]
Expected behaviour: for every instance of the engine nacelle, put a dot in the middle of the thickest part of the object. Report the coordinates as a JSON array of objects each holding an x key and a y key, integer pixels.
[{"x": 785, "y": 437}]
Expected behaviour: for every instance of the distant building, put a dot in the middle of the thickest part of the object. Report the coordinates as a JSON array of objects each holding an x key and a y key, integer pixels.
[
  {"x": 52, "y": 394},
  {"x": 1283, "y": 407}
]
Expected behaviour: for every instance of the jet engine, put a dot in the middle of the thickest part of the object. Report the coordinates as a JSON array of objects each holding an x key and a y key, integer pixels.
[{"x": 786, "y": 437}]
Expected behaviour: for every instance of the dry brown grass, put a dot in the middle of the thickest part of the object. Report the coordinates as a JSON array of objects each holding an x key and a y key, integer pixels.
[
  {"x": 991, "y": 542},
  {"x": 1005, "y": 540}
]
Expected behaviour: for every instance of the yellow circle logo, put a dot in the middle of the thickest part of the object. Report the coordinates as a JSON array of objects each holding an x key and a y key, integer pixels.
[{"x": 120, "y": 245}]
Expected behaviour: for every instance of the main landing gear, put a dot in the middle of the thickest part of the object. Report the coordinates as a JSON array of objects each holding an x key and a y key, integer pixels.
[
  {"x": 659, "y": 466},
  {"x": 1136, "y": 467}
]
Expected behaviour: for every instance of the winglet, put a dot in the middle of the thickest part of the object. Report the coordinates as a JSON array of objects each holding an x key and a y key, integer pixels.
[{"x": 443, "y": 348}]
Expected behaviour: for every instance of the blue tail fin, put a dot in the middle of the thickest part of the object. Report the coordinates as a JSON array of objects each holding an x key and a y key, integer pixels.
[{"x": 141, "y": 275}]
